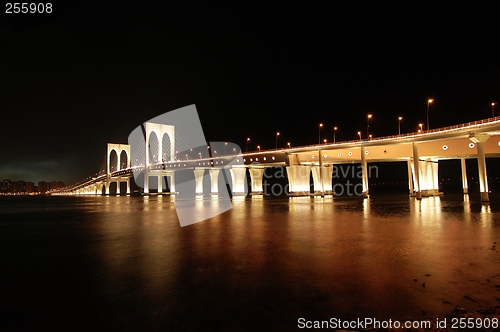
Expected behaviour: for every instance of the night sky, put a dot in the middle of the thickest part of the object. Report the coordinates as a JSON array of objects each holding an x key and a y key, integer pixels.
[{"x": 89, "y": 73}]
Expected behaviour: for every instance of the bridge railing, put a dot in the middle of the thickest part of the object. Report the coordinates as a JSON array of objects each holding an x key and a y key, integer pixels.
[{"x": 384, "y": 138}]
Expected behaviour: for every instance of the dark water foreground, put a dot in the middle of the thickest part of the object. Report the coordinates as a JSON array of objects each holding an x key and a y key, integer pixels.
[{"x": 124, "y": 263}]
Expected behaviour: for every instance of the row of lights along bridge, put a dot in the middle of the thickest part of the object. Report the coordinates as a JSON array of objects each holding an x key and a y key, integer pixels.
[{"x": 368, "y": 135}]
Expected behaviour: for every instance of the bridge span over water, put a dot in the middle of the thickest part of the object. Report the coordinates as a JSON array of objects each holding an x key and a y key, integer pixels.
[{"x": 420, "y": 150}]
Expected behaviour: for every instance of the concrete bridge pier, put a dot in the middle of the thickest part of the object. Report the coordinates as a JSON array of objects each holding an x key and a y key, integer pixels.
[
  {"x": 410, "y": 177},
  {"x": 429, "y": 181},
  {"x": 465, "y": 186},
  {"x": 160, "y": 184},
  {"x": 326, "y": 172},
  {"x": 146, "y": 180},
  {"x": 478, "y": 140},
  {"x": 318, "y": 184},
  {"x": 483, "y": 179},
  {"x": 256, "y": 175},
  {"x": 238, "y": 175},
  {"x": 198, "y": 177},
  {"x": 364, "y": 169},
  {"x": 298, "y": 179},
  {"x": 416, "y": 172},
  {"x": 171, "y": 183},
  {"x": 322, "y": 179},
  {"x": 214, "y": 181}
]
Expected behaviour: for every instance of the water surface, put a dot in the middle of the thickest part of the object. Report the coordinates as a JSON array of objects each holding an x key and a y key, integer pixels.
[{"x": 125, "y": 263}]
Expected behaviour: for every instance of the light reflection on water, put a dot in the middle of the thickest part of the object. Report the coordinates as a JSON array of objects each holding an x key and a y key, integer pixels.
[{"x": 266, "y": 261}]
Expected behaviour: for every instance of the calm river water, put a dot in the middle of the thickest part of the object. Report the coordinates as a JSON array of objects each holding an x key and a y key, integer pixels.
[{"x": 124, "y": 263}]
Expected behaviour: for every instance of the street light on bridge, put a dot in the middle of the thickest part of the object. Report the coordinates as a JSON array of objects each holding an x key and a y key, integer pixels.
[
  {"x": 288, "y": 144},
  {"x": 324, "y": 141},
  {"x": 248, "y": 140},
  {"x": 319, "y": 133},
  {"x": 493, "y": 109},
  {"x": 428, "y": 104},
  {"x": 368, "y": 125},
  {"x": 421, "y": 124},
  {"x": 258, "y": 147},
  {"x": 334, "y": 130},
  {"x": 359, "y": 133},
  {"x": 277, "y": 134},
  {"x": 399, "y": 125},
  {"x": 225, "y": 144}
]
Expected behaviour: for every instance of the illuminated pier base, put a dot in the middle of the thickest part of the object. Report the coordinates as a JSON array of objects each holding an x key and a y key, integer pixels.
[
  {"x": 478, "y": 140},
  {"x": 364, "y": 169},
  {"x": 198, "y": 176},
  {"x": 483, "y": 179},
  {"x": 256, "y": 175},
  {"x": 429, "y": 181},
  {"x": 146, "y": 181},
  {"x": 410, "y": 177},
  {"x": 416, "y": 172},
  {"x": 322, "y": 179},
  {"x": 214, "y": 179},
  {"x": 298, "y": 179},
  {"x": 465, "y": 186},
  {"x": 238, "y": 175}
]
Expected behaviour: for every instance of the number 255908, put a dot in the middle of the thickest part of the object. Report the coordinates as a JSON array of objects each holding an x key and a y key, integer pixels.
[{"x": 28, "y": 8}]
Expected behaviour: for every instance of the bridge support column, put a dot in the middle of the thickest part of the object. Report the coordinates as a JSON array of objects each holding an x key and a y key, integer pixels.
[
  {"x": 318, "y": 188},
  {"x": 128, "y": 186},
  {"x": 214, "y": 181},
  {"x": 198, "y": 176},
  {"x": 322, "y": 179},
  {"x": 435, "y": 176},
  {"x": 410, "y": 177},
  {"x": 465, "y": 185},
  {"x": 238, "y": 174},
  {"x": 364, "y": 169},
  {"x": 172, "y": 183},
  {"x": 298, "y": 179},
  {"x": 483, "y": 179},
  {"x": 479, "y": 140},
  {"x": 118, "y": 187},
  {"x": 326, "y": 172},
  {"x": 256, "y": 174},
  {"x": 416, "y": 172},
  {"x": 426, "y": 180},
  {"x": 107, "y": 185},
  {"x": 146, "y": 178},
  {"x": 160, "y": 184}
]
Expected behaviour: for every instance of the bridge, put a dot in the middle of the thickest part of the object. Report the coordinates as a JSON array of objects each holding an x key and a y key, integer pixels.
[{"x": 420, "y": 150}]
